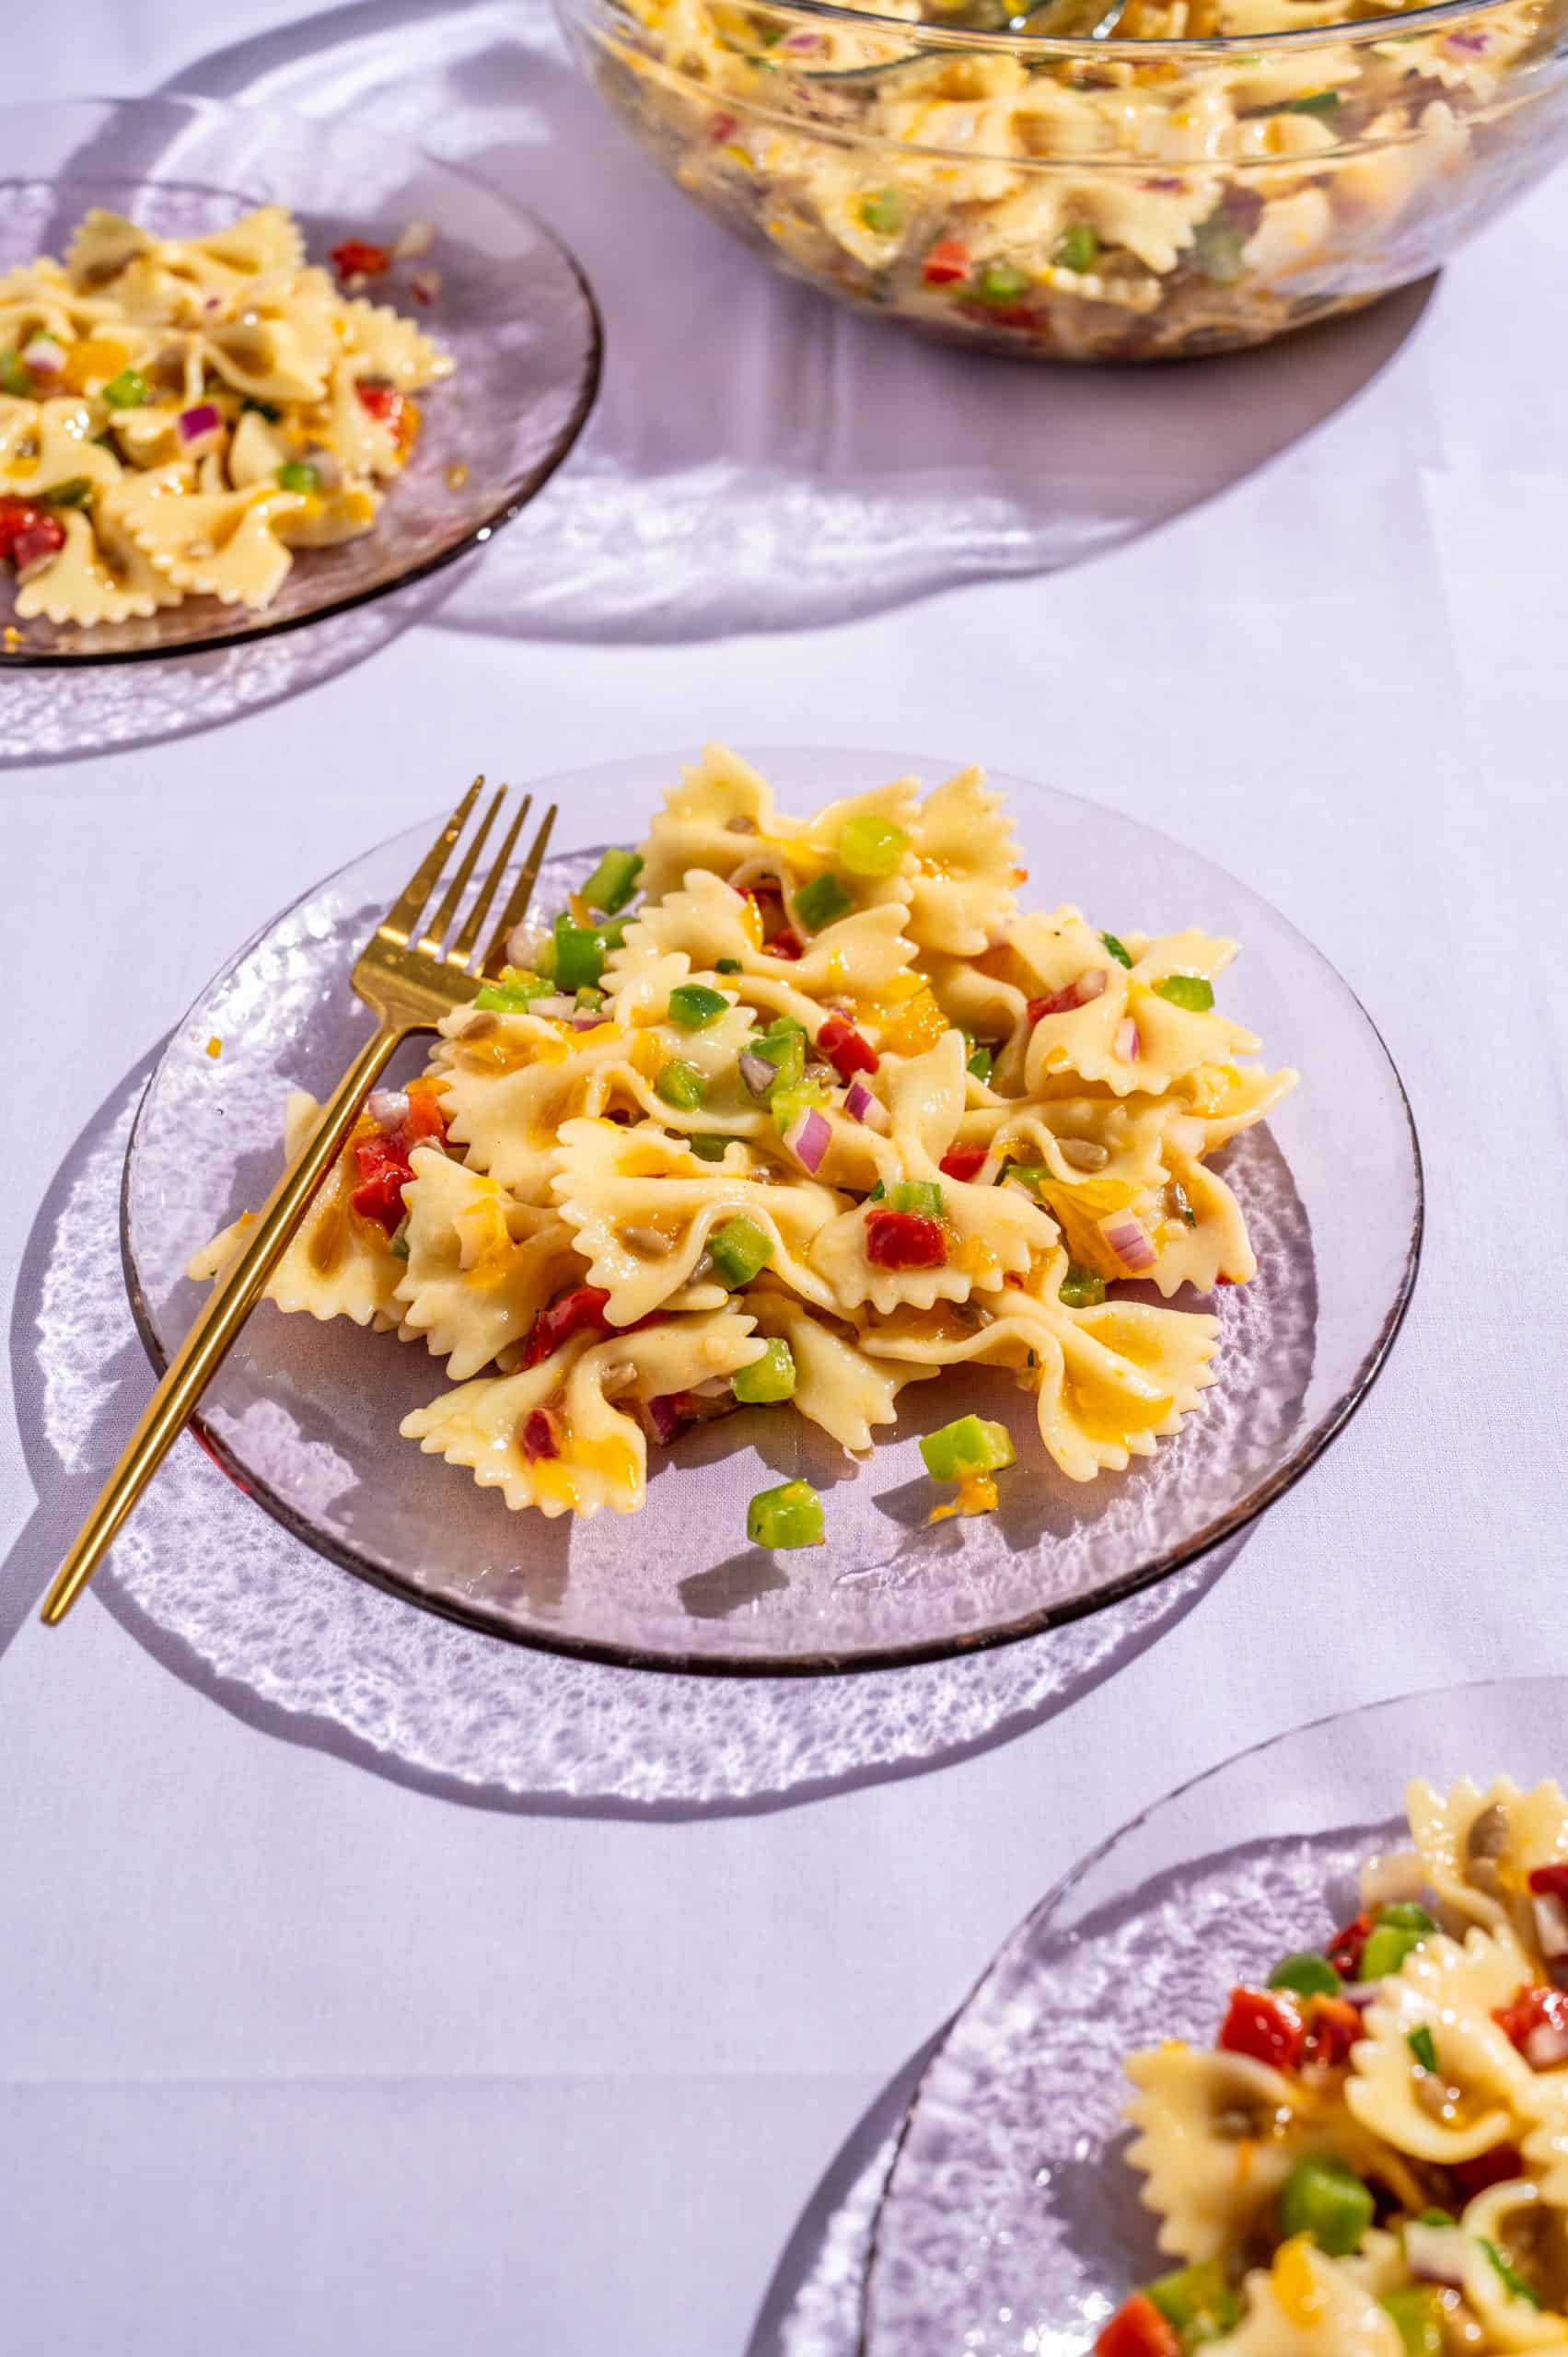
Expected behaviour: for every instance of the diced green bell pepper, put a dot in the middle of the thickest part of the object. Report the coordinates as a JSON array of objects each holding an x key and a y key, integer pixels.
[
  {"x": 1190, "y": 991},
  {"x": 298, "y": 475},
  {"x": 16, "y": 377},
  {"x": 790, "y": 1515},
  {"x": 1081, "y": 1288},
  {"x": 1417, "y": 2311},
  {"x": 130, "y": 390},
  {"x": 923, "y": 1196},
  {"x": 694, "y": 1005},
  {"x": 1118, "y": 949},
  {"x": 980, "y": 1063},
  {"x": 1324, "y": 2198},
  {"x": 883, "y": 211},
  {"x": 739, "y": 1250},
  {"x": 822, "y": 902},
  {"x": 74, "y": 492},
  {"x": 788, "y": 1100},
  {"x": 1001, "y": 283},
  {"x": 514, "y": 991},
  {"x": 710, "y": 1147},
  {"x": 727, "y": 966},
  {"x": 1197, "y": 2300},
  {"x": 1079, "y": 249},
  {"x": 579, "y": 955},
  {"x": 767, "y": 1379},
  {"x": 872, "y": 846},
  {"x": 613, "y": 881},
  {"x": 971, "y": 1444},
  {"x": 1218, "y": 251},
  {"x": 681, "y": 1085},
  {"x": 1396, "y": 1931},
  {"x": 1307, "y": 1974},
  {"x": 1423, "y": 2046}
]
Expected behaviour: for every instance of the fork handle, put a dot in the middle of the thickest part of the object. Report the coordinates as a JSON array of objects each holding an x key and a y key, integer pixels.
[{"x": 207, "y": 1345}]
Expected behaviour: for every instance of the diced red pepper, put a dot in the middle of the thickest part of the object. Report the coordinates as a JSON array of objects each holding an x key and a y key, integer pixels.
[
  {"x": 1138, "y": 2329},
  {"x": 579, "y": 1311},
  {"x": 382, "y": 1159},
  {"x": 786, "y": 944},
  {"x": 946, "y": 261},
  {"x": 1266, "y": 2024},
  {"x": 904, "y": 1240},
  {"x": 723, "y": 127},
  {"x": 1550, "y": 1882},
  {"x": 539, "y": 1437},
  {"x": 1073, "y": 995},
  {"x": 28, "y": 532},
  {"x": 1500, "y": 2167},
  {"x": 1334, "y": 2026},
  {"x": 1532, "y": 2010},
  {"x": 1001, "y": 315},
  {"x": 961, "y": 1162},
  {"x": 1346, "y": 1948},
  {"x": 845, "y": 1048},
  {"x": 393, "y": 409},
  {"x": 357, "y": 258}
]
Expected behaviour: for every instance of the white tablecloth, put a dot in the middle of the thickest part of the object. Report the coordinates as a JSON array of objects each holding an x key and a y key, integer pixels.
[{"x": 296, "y": 2058}]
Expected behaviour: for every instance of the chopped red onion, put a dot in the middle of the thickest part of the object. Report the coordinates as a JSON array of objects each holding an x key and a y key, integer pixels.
[
  {"x": 809, "y": 1138},
  {"x": 425, "y": 285},
  {"x": 859, "y": 1101},
  {"x": 804, "y": 42},
  {"x": 758, "y": 1074},
  {"x": 664, "y": 1416},
  {"x": 1551, "y": 1925},
  {"x": 1090, "y": 985},
  {"x": 196, "y": 424},
  {"x": 1436, "y": 2253},
  {"x": 587, "y": 1018},
  {"x": 43, "y": 355},
  {"x": 388, "y": 1107},
  {"x": 1129, "y": 1239},
  {"x": 1359, "y": 1993},
  {"x": 1129, "y": 1046},
  {"x": 539, "y": 1435}
]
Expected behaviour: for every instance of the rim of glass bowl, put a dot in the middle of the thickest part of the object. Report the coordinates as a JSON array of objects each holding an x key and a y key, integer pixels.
[
  {"x": 1081, "y": 46},
  {"x": 1062, "y": 1889},
  {"x": 1267, "y": 1492},
  {"x": 525, "y": 493}
]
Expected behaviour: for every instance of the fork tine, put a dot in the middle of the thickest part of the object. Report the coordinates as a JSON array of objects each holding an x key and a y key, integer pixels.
[
  {"x": 404, "y": 913},
  {"x": 440, "y": 925},
  {"x": 521, "y": 894},
  {"x": 461, "y": 949}
]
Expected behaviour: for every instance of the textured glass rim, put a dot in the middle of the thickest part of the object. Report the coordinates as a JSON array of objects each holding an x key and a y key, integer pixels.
[
  {"x": 1062, "y": 1889},
  {"x": 1274, "y": 1485},
  {"x": 519, "y": 497},
  {"x": 1217, "y": 47}
]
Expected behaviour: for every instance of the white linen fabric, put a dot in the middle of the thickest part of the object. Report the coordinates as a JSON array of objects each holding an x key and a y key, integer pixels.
[{"x": 293, "y": 2057}]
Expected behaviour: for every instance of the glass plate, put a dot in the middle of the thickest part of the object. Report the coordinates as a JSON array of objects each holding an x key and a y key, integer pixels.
[
  {"x": 305, "y": 1415},
  {"x": 513, "y": 309},
  {"x": 1012, "y": 2225}
]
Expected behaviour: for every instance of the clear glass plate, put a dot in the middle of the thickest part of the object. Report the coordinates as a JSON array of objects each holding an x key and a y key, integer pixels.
[
  {"x": 1012, "y": 2225},
  {"x": 306, "y": 1416},
  {"x": 514, "y": 309}
]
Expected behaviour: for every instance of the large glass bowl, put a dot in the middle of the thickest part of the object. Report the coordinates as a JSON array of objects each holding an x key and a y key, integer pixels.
[
  {"x": 306, "y": 1416},
  {"x": 1011, "y": 2225},
  {"x": 1085, "y": 198}
]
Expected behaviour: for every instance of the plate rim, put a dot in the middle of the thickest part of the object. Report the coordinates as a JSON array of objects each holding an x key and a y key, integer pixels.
[
  {"x": 881, "y": 1657},
  {"x": 524, "y": 493},
  {"x": 1066, "y": 1883}
]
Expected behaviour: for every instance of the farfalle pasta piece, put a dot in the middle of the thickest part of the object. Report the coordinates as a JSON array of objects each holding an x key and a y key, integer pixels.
[
  {"x": 963, "y": 889},
  {"x": 281, "y": 346},
  {"x": 1451, "y": 1991},
  {"x": 1309, "y": 2305},
  {"x": 1479, "y": 1848},
  {"x": 394, "y": 349},
  {"x": 587, "y": 1452},
  {"x": 337, "y": 1265},
  {"x": 96, "y": 578},
  {"x": 222, "y": 544},
  {"x": 50, "y": 444},
  {"x": 720, "y": 817},
  {"x": 837, "y": 1387},
  {"x": 643, "y": 1211},
  {"x": 1513, "y": 2217},
  {"x": 1216, "y": 2137},
  {"x": 480, "y": 1266}
]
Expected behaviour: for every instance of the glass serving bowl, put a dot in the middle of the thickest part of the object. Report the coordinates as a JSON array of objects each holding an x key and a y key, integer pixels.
[
  {"x": 513, "y": 310},
  {"x": 305, "y": 1415},
  {"x": 1059, "y": 196},
  {"x": 1011, "y": 2225}
]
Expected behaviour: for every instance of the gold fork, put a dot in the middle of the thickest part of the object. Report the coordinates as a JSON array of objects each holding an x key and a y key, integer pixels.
[{"x": 409, "y": 983}]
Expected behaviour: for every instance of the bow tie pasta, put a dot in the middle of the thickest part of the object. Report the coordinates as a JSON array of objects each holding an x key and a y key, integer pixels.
[
  {"x": 800, "y": 1110},
  {"x": 177, "y": 415},
  {"x": 1371, "y": 2161}
]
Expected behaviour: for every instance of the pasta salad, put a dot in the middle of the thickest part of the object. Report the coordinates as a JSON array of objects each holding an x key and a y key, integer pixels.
[
  {"x": 1373, "y": 2160},
  {"x": 178, "y": 415},
  {"x": 800, "y": 1112}
]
